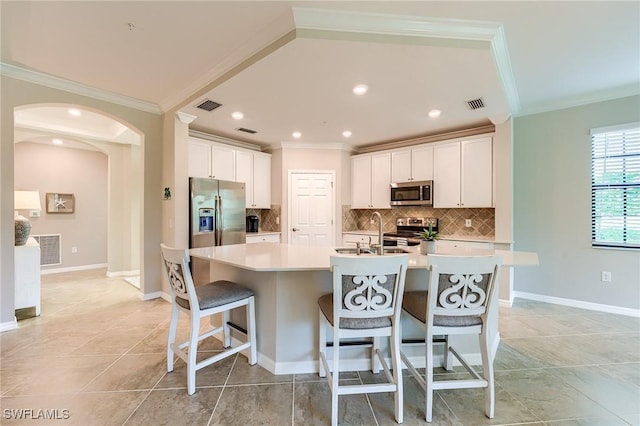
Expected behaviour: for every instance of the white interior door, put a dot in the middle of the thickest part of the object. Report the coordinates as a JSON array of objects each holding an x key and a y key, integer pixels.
[{"x": 311, "y": 199}]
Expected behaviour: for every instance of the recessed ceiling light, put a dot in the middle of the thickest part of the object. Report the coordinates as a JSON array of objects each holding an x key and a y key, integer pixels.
[
  {"x": 296, "y": 135},
  {"x": 237, "y": 115},
  {"x": 56, "y": 141},
  {"x": 75, "y": 112},
  {"x": 346, "y": 133},
  {"x": 360, "y": 89},
  {"x": 434, "y": 113}
]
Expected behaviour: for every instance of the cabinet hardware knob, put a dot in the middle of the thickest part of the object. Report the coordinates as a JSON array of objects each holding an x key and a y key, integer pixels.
[{"x": 295, "y": 229}]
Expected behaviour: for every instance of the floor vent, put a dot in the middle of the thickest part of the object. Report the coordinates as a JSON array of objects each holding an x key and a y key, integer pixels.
[
  {"x": 49, "y": 249},
  {"x": 208, "y": 105}
]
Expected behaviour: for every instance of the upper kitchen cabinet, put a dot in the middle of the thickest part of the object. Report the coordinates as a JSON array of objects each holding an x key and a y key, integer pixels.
[
  {"x": 211, "y": 160},
  {"x": 370, "y": 181},
  {"x": 412, "y": 164},
  {"x": 463, "y": 173},
  {"x": 254, "y": 169}
]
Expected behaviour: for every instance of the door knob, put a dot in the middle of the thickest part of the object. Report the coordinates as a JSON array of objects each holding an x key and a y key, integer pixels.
[{"x": 295, "y": 229}]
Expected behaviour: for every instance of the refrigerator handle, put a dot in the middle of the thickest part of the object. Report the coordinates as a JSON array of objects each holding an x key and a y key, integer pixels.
[{"x": 219, "y": 221}]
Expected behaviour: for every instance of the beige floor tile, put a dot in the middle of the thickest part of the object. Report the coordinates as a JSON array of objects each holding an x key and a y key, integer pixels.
[
  {"x": 104, "y": 408},
  {"x": 99, "y": 352},
  {"x": 176, "y": 407},
  {"x": 131, "y": 372},
  {"x": 255, "y": 404}
]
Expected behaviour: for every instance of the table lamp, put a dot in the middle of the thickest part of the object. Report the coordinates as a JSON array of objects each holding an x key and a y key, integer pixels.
[{"x": 24, "y": 200}]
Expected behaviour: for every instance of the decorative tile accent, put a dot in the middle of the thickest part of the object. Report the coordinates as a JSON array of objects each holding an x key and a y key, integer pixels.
[
  {"x": 267, "y": 217},
  {"x": 451, "y": 221}
]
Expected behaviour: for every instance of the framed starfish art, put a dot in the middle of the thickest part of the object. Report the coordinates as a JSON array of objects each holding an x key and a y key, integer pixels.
[{"x": 60, "y": 203}]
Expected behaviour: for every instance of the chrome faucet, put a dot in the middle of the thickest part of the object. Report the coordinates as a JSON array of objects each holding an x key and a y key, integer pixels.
[{"x": 379, "y": 246}]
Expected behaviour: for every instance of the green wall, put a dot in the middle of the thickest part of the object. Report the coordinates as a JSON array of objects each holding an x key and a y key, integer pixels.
[{"x": 552, "y": 207}]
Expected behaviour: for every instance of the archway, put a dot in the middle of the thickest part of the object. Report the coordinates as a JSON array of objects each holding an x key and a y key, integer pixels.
[{"x": 80, "y": 128}]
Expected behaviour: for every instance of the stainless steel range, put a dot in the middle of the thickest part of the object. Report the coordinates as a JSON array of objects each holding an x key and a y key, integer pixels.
[{"x": 406, "y": 230}]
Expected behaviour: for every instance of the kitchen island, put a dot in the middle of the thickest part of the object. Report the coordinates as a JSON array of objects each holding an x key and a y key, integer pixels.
[{"x": 288, "y": 280}]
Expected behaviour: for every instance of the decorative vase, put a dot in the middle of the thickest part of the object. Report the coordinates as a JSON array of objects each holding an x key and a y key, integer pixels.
[
  {"x": 427, "y": 247},
  {"x": 22, "y": 229}
]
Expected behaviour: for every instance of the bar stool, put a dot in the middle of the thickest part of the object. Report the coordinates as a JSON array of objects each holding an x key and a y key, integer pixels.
[
  {"x": 461, "y": 292},
  {"x": 200, "y": 302},
  {"x": 365, "y": 303}
]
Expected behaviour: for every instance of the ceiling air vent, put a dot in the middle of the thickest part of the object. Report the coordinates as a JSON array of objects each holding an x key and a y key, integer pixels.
[
  {"x": 244, "y": 129},
  {"x": 208, "y": 105},
  {"x": 475, "y": 104}
]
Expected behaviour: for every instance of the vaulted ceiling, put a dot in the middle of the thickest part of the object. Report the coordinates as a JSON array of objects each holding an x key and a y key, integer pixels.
[{"x": 291, "y": 66}]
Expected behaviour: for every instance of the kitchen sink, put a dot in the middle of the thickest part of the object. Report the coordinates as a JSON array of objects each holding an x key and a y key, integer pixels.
[{"x": 368, "y": 250}]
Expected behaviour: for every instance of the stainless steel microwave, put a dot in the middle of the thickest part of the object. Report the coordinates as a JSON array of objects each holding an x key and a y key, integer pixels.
[{"x": 416, "y": 193}]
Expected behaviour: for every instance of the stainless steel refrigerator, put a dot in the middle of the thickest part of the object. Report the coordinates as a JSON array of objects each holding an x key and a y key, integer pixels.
[{"x": 217, "y": 218}]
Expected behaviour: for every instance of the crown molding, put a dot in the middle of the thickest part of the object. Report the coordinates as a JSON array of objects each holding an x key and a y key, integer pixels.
[
  {"x": 262, "y": 43},
  {"x": 185, "y": 118},
  {"x": 307, "y": 145},
  {"x": 412, "y": 26},
  {"x": 221, "y": 139},
  {"x": 43, "y": 79},
  {"x": 632, "y": 89}
]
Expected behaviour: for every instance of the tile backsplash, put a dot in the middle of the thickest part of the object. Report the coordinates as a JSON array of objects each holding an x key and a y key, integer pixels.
[
  {"x": 451, "y": 221},
  {"x": 268, "y": 218}
]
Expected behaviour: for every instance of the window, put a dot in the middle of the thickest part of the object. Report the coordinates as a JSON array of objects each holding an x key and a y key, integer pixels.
[{"x": 615, "y": 186}]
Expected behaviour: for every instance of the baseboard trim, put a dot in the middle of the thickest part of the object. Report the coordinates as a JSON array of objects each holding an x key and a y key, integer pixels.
[
  {"x": 579, "y": 304},
  {"x": 132, "y": 273},
  {"x": 151, "y": 296},
  {"x": 72, "y": 268},
  {"x": 355, "y": 364},
  {"x": 9, "y": 325}
]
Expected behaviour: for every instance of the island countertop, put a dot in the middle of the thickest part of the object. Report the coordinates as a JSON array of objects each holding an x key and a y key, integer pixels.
[
  {"x": 287, "y": 281},
  {"x": 281, "y": 257}
]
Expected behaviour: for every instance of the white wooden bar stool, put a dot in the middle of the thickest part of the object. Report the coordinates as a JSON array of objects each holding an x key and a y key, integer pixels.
[
  {"x": 365, "y": 303},
  {"x": 199, "y": 302},
  {"x": 461, "y": 291}
]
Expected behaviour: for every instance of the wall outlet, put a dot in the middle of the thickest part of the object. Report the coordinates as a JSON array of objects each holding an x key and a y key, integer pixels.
[
  {"x": 467, "y": 223},
  {"x": 74, "y": 249},
  {"x": 605, "y": 276},
  {"x": 34, "y": 213}
]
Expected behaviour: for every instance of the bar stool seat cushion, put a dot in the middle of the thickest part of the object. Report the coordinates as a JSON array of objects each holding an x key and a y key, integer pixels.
[
  {"x": 216, "y": 294},
  {"x": 415, "y": 303},
  {"x": 326, "y": 306}
]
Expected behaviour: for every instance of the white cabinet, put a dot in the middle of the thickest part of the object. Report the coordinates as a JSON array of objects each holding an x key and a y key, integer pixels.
[
  {"x": 254, "y": 169},
  {"x": 219, "y": 161},
  {"x": 463, "y": 173},
  {"x": 412, "y": 164},
  {"x": 459, "y": 244},
  {"x": 27, "y": 275},
  {"x": 263, "y": 238},
  {"x": 350, "y": 239},
  {"x": 210, "y": 160},
  {"x": 370, "y": 181}
]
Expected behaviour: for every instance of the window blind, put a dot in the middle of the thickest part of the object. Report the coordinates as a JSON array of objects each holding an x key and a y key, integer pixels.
[{"x": 615, "y": 187}]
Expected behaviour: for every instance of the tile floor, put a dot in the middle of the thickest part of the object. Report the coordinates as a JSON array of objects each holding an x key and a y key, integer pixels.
[{"x": 96, "y": 356}]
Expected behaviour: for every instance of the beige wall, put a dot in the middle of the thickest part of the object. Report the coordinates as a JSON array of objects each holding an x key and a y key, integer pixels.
[
  {"x": 17, "y": 93},
  {"x": 552, "y": 207},
  {"x": 288, "y": 159},
  {"x": 81, "y": 172}
]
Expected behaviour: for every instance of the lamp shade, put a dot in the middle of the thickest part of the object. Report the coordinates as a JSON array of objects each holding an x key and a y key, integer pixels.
[{"x": 27, "y": 200}]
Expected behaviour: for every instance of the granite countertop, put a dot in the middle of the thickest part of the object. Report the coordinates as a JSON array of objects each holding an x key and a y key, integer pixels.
[
  {"x": 274, "y": 257},
  {"x": 469, "y": 238}
]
